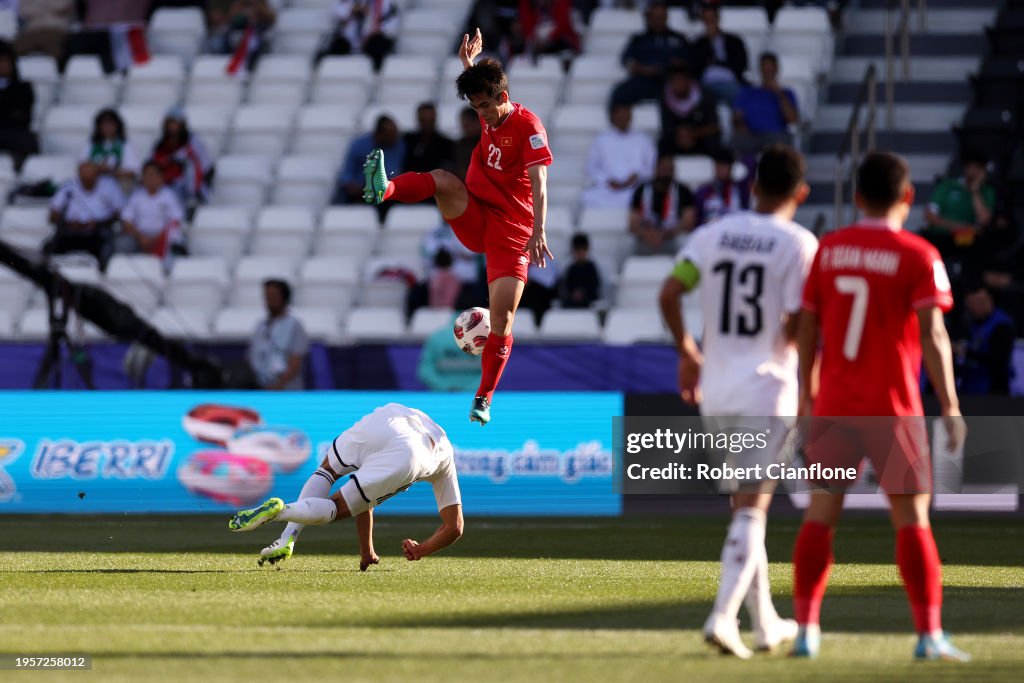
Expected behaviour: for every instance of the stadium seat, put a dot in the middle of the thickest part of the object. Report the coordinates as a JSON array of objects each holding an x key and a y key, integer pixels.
[
  {"x": 6, "y": 325},
  {"x": 280, "y": 80},
  {"x": 347, "y": 231},
  {"x": 198, "y": 283},
  {"x": 386, "y": 280},
  {"x": 143, "y": 125},
  {"x": 284, "y": 231},
  {"x": 328, "y": 281},
  {"x": 451, "y": 68},
  {"x": 177, "y": 31},
  {"x": 628, "y": 326},
  {"x": 57, "y": 168},
  {"x": 177, "y": 322},
  {"x": 33, "y": 325},
  {"x": 241, "y": 180},
  {"x": 211, "y": 123},
  {"x": 403, "y": 115},
  {"x": 597, "y": 220},
  {"x": 449, "y": 119},
  {"x": 250, "y": 273},
  {"x": 427, "y": 33},
  {"x": 806, "y": 25},
  {"x": 406, "y": 80},
  {"x": 745, "y": 20},
  {"x": 220, "y": 231},
  {"x": 426, "y": 321},
  {"x": 8, "y": 24},
  {"x": 15, "y": 292},
  {"x": 85, "y": 83},
  {"x": 8, "y": 176},
  {"x": 573, "y": 128},
  {"x": 306, "y": 180},
  {"x": 211, "y": 84},
  {"x": 261, "y": 129},
  {"x": 298, "y": 31},
  {"x": 566, "y": 179},
  {"x": 525, "y": 327},
  {"x": 324, "y": 130},
  {"x": 538, "y": 84},
  {"x": 137, "y": 280},
  {"x": 647, "y": 118},
  {"x": 591, "y": 79},
  {"x": 645, "y": 269},
  {"x": 610, "y": 28},
  {"x": 405, "y": 229},
  {"x": 25, "y": 226},
  {"x": 570, "y": 325},
  {"x": 560, "y": 219},
  {"x": 158, "y": 82},
  {"x": 66, "y": 129},
  {"x": 346, "y": 80},
  {"x": 694, "y": 171},
  {"x": 373, "y": 324},
  {"x": 237, "y": 323},
  {"x": 321, "y": 324},
  {"x": 41, "y": 72}
]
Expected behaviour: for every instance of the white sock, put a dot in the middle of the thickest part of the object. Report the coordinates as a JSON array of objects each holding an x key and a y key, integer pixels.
[
  {"x": 317, "y": 486},
  {"x": 310, "y": 511},
  {"x": 739, "y": 559},
  {"x": 759, "y": 597}
]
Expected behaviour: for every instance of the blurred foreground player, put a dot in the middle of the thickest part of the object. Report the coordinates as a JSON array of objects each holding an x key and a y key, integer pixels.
[
  {"x": 875, "y": 298},
  {"x": 499, "y": 211},
  {"x": 753, "y": 266},
  {"x": 385, "y": 453}
]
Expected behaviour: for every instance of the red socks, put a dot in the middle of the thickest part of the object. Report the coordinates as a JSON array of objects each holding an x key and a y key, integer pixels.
[
  {"x": 812, "y": 559},
  {"x": 921, "y": 569},
  {"x": 495, "y": 356},
  {"x": 410, "y": 188}
]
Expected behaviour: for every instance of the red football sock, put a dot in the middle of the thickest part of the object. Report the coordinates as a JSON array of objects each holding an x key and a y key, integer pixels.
[
  {"x": 921, "y": 569},
  {"x": 812, "y": 559},
  {"x": 495, "y": 355},
  {"x": 410, "y": 188}
]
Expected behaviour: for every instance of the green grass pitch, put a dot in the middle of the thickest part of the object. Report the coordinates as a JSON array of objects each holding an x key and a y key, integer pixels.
[{"x": 181, "y": 598}]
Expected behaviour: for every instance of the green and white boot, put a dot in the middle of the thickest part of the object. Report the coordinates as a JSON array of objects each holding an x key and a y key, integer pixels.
[
  {"x": 247, "y": 520},
  {"x": 278, "y": 551},
  {"x": 376, "y": 178}
]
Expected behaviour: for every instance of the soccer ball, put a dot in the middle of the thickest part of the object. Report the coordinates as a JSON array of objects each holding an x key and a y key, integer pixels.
[{"x": 471, "y": 330}]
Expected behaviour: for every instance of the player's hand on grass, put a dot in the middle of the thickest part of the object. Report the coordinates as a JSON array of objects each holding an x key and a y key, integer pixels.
[
  {"x": 367, "y": 560},
  {"x": 956, "y": 429},
  {"x": 411, "y": 549},
  {"x": 471, "y": 48},
  {"x": 537, "y": 249}
]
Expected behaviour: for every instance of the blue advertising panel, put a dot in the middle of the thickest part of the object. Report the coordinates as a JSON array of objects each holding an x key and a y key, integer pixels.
[{"x": 189, "y": 451}]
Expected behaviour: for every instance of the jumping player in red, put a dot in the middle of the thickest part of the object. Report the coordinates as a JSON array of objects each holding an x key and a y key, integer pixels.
[
  {"x": 499, "y": 211},
  {"x": 875, "y": 298}
]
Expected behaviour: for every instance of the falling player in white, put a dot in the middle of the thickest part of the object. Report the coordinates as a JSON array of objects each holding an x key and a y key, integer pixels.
[
  {"x": 385, "y": 453},
  {"x": 751, "y": 267}
]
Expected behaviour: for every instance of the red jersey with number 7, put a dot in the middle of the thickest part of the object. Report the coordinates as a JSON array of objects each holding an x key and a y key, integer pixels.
[
  {"x": 866, "y": 285},
  {"x": 497, "y": 173}
]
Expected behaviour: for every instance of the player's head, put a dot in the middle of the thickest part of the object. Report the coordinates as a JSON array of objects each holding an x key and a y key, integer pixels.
[
  {"x": 485, "y": 86},
  {"x": 779, "y": 179},
  {"x": 621, "y": 115},
  {"x": 277, "y": 294},
  {"x": 883, "y": 186},
  {"x": 975, "y": 165},
  {"x": 385, "y": 131}
]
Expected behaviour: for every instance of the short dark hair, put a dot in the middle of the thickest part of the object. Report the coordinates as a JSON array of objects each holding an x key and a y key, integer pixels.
[
  {"x": 426, "y": 105},
  {"x": 882, "y": 179},
  {"x": 486, "y": 77},
  {"x": 780, "y": 170},
  {"x": 973, "y": 156},
  {"x": 383, "y": 120},
  {"x": 283, "y": 288},
  {"x": 151, "y": 163},
  {"x": 443, "y": 258},
  {"x": 580, "y": 241},
  {"x": 769, "y": 57}
]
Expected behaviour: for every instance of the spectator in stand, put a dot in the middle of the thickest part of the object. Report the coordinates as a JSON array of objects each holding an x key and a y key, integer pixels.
[
  {"x": 16, "y": 101},
  {"x": 959, "y": 208},
  {"x": 109, "y": 147},
  {"x": 444, "y": 366},
  {"x": 152, "y": 222},
  {"x": 366, "y": 26},
  {"x": 689, "y": 120},
  {"x": 581, "y": 285},
  {"x": 997, "y": 257},
  {"x": 83, "y": 213},
  {"x": 278, "y": 348},
  {"x": 466, "y": 266},
  {"x": 762, "y": 114},
  {"x": 443, "y": 286},
  {"x": 183, "y": 159},
  {"x": 426, "y": 148},
  {"x": 44, "y": 27},
  {"x": 663, "y": 209},
  {"x": 541, "y": 289},
  {"x": 719, "y": 58},
  {"x": 985, "y": 360},
  {"x": 107, "y": 29},
  {"x": 649, "y": 55},
  {"x": 549, "y": 27},
  {"x": 722, "y": 195},
  {"x": 620, "y": 159},
  {"x": 385, "y": 136},
  {"x": 469, "y": 122},
  {"x": 243, "y": 30}
]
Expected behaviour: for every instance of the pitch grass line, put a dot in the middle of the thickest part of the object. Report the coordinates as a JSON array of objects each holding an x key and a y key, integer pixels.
[{"x": 181, "y": 598}]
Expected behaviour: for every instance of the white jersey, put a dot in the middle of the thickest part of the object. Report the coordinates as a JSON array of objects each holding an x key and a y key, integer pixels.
[
  {"x": 388, "y": 451},
  {"x": 752, "y": 271}
]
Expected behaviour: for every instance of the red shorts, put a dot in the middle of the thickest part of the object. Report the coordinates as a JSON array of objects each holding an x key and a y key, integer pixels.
[
  {"x": 896, "y": 447},
  {"x": 483, "y": 230}
]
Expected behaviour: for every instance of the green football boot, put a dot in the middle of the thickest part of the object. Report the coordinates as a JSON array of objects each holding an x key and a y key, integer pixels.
[
  {"x": 247, "y": 520},
  {"x": 376, "y": 178}
]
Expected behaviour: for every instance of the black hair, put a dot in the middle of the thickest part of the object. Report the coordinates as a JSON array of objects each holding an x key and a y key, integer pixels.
[
  {"x": 486, "y": 78},
  {"x": 973, "y": 156},
  {"x": 184, "y": 135},
  {"x": 443, "y": 258},
  {"x": 108, "y": 113},
  {"x": 282, "y": 287},
  {"x": 383, "y": 120},
  {"x": 769, "y": 56},
  {"x": 679, "y": 70},
  {"x": 780, "y": 170},
  {"x": 426, "y": 105},
  {"x": 882, "y": 179},
  {"x": 151, "y": 163},
  {"x": 7, "y": 50},
  {"x": 580, "y": 241}
]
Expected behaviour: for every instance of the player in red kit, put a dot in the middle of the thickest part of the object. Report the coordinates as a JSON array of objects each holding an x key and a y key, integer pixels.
[
  {"x": 499, "y": 211},
  {"x": 874, "y": 299}
]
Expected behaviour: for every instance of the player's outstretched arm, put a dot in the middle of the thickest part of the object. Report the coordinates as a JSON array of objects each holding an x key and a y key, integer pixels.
[
  {"x": 690, "y": 357},
  {"x": 364, "y": 525},
  {"x": 471, "y": 48},
  {"x": 446, "y": 534},
  {"x": 807, "y": 351},
  {"x": 537, "y": 247},
  {"x": 938, "y": 362}
]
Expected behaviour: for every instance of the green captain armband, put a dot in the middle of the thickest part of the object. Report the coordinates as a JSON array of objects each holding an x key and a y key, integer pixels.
[{"x": 687, "y": 273}]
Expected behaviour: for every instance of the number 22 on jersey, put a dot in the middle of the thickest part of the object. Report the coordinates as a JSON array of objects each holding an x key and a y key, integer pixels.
[{"x": 494, "y": 157}]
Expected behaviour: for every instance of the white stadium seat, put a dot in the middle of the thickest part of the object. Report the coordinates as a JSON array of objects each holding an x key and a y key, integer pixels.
[
  {"x": 426, "y": 321},
  {"x": 591, "y": 79},
  {"x": 261, "y": 129},
  {"x": 343, "y": 80},
  {"x": 629, "y": 326},
  {"x": 177, "y": 31},
  {"x": 321, "y": 323},
  {"x": 695, "y": 170},
  {"x": 414, "y": 219},
  {"x": 280, "y": 79},
  {"x": 137, "y": 280},
  {"x": 57, "y": 168},
  {"x": 15, "y": 292},
  {"x": 347, "y": 231},
  {"x": 176, "y": 322},
  {"x": 570, "y": 325},
  {"x": 6, "y": 325},
  {"x": 237, "y": 323},
  {"x": 197, "y": 283},
  {"x": 645, "y": 269},
  {"x": 211, "y": 122},
  {"x": 284, "y": 231},
  {"x": 610, "y": 28},
  {"x": 298, "y": 31},
  {"x": 85, "y": 83},
  {"x": 25, "y": 226},
  {"x": 211, "y": 84},
  {"x": 41, "y": 72},
  {"x": 158, "y": 82},
  {"x": 220, "y": 231},
  {"x": 143, "y": 126},
  {"x": 66, "y": 129},
  {"x": 426, "y": 33},
  {"x": 573, "y": 128},
  {"x": 374, "y": 324},
  {"x": 330, "y": 282},
  {"x": 306, "y": 180},
  {"x": 745, "y": 20},
  {"x": 250, "y": 274},
  {"x": 603, "y": 220},
  {"x": 404, "y": 116},
  {"x": 406, "y": 80},
  {"x": 324, "y": 129},
  {"x": 241, "y": 180}
]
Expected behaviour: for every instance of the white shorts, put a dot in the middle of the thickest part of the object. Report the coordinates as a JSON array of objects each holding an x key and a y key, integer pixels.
[{"x": 776, "y": 432}]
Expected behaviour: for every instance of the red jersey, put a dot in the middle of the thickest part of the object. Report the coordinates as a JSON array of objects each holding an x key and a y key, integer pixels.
[
  {"x": 866, "y": 285},
  {"x": 497, "y": 171}
]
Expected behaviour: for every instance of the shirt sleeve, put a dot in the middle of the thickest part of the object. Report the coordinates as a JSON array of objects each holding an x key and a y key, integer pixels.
[
  {"x": 796, "y": 274},
  {"x": 130, "y": 211},
  {"x": 930, "y": 285},
  {"x": 299, "y": 344},
  {"x": 174, "y": 210},
  {"x": 129, "y": 159},
  {"x": 59, "y": 203},
  {"x": 791, "y": 96},
  {"x": 812, "y": 286},
  {"x": 535, "y": 146},
  {"x": 938, "y": 197},
  {"x": 446, "y": 487}
]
